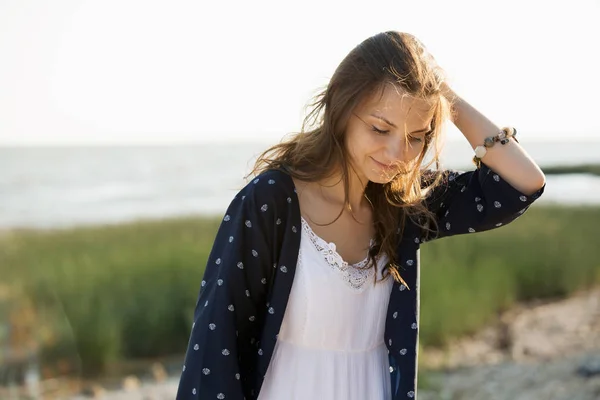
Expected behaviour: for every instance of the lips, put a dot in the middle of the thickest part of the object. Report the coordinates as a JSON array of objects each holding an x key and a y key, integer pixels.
[{"x": 386, "y": 167}]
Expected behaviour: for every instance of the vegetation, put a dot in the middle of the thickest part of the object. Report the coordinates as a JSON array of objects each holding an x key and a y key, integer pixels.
[
  {"x": 593, "y": 169},
  {"x": 122, "y": 292}
]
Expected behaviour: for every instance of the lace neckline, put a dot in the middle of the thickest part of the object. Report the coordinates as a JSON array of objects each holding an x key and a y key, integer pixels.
[{"x": 354, "y": 275}]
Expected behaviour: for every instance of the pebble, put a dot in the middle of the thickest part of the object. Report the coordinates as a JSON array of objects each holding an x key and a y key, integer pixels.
[
  {"x": 590, "y": 367},
  {"x": 165, "y": 390},
  {"x": 552, "y": 380}
]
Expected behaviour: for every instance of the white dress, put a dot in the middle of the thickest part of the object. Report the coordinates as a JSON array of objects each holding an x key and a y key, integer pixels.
[{"x": 331, "y": 342}]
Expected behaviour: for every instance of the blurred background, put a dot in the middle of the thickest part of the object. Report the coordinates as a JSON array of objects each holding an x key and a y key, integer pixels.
[{"x": 126, "y": 128}]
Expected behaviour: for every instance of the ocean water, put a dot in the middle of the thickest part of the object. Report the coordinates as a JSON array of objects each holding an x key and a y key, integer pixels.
[{"x": 47, "y": 187}]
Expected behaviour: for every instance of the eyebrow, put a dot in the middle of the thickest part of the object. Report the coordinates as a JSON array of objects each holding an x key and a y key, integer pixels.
[{"x": 390, "y": 123}]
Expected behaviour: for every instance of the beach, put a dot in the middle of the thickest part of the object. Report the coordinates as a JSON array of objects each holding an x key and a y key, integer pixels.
[
  {"x": 90, "y": 236},
  {"x": 553, "y": 354}
]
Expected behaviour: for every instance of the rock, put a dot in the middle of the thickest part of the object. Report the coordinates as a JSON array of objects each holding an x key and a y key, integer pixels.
[
  {"x": 544, "y": 350},
  {"x": 131, "y": 383},
  {"x": 589, "y": 367},
  {"x": 158, "y": 372},
  {"x": 94, "y": 391},
  {"x": 537, "y": 332},
  {"x": 552, "y": 380}
]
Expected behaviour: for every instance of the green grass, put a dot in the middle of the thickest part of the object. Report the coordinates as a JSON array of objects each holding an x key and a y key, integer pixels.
[
  {"x": 128, "y": 291},
  {"x": 593, "y": 169},
  {"x": 550, "y": 252}
]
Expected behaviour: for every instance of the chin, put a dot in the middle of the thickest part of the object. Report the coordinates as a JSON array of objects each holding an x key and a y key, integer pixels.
[{"x": 380, "y": 178}]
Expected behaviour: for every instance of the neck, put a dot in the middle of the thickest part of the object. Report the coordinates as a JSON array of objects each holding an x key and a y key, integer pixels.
[{"x": 333, "y": 190}]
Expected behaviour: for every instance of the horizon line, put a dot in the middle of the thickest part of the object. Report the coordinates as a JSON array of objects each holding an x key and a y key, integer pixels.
[{"x": 236, "y": 141}]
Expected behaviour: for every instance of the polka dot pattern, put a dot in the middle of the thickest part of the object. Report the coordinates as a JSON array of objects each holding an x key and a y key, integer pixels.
[{"x": 245, "y": 287}]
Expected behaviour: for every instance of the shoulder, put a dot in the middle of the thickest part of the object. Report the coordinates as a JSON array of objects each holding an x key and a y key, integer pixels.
[
  {"x": 269, "y": 187},
  {"x": 437, "y": 183},
  {"x": 441, "y": 177}
]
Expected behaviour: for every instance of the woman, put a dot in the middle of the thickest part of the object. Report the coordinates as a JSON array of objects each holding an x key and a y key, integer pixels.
[{"x": 311, "y": 290}]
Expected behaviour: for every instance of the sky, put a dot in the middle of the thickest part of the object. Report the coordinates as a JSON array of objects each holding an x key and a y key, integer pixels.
[{"x": 146, "y": 72}]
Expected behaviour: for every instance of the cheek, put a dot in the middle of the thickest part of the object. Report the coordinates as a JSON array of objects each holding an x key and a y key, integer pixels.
[
  {"x": 412, "y": 151},
  {"x": 359, "y": 145},
  {"x": 415, "y": 151}
]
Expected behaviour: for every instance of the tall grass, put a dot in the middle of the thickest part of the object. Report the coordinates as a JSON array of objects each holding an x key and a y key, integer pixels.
[
  {"x": 128, "y": 291},
  {"x": 550, "y": 252}
]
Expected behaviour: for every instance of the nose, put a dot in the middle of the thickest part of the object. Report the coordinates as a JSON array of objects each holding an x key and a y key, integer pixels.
[{"x": 394, "y": 150}]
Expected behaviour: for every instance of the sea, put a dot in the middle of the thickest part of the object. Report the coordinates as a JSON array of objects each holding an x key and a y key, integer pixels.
[{"x": 56, "y": 187}]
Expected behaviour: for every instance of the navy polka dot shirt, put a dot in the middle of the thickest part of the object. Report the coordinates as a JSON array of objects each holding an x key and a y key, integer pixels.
[{"x": 250, "y": 270}]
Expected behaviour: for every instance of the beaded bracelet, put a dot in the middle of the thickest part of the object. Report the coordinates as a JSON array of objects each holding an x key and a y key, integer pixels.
[{"x": 503, "y": 137}]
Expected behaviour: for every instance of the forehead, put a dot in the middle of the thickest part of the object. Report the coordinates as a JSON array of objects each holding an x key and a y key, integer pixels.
[{"x": 396, "y": 105}]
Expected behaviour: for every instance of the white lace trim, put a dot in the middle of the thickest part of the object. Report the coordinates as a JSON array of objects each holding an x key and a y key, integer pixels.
[{"x": 354, "y": 275}]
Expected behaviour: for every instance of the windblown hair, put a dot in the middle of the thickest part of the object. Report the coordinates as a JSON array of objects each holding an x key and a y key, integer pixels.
[{"x": 319, "y": 151}]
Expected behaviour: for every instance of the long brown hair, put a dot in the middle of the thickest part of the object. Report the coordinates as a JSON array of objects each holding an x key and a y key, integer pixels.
[{"x": 318, "y": 150}]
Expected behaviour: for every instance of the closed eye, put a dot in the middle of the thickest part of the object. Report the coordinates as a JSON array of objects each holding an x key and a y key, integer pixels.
[
  {"x": 379, "y": 131},
  {"x": 419, "y": 138}
]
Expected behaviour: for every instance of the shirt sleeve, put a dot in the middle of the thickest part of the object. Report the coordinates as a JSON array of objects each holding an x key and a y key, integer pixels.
[
  {"x": 475, "y": 201},
  {"x": 222, "y": 346}
]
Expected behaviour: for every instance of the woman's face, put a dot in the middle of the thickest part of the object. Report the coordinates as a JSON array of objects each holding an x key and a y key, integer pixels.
[{"x": 385, "y": 133}]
